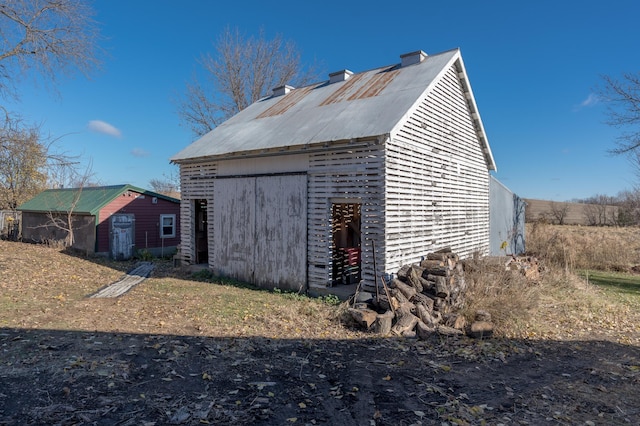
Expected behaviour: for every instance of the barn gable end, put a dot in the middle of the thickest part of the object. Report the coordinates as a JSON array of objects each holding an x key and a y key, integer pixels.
[{"x": 437, "y": 180}]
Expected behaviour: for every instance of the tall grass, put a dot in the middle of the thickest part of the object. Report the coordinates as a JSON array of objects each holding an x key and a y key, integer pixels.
[
  {"x": 581, "y": 247},
  {"x": 559, "y": 304}
]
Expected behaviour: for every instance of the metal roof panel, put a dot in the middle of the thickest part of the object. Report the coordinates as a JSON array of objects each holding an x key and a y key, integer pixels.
[{"x": 368, "y": 104}]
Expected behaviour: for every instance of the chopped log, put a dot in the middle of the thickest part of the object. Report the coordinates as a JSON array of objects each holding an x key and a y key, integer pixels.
[
  {"x": 403, "y": 271},
  {"x": 435, "y": 267},
  {"x": 405, "y": 289},
  {"x": 441, "y": 287},
  {"x": 399, "y": 295},
  {"x": 383, "y": 323},
  {"x": 364, "y": 317},
  {"x": 408, "y": 306},
  {"x": 414, "y": 278},
  {"x": 384, "y": 304},
  {"x": 425, "y": 316},
  {"x": 455, "y": 320},
  {"x": 438, "y": 256},
  {"x": 444, "y": 250},
  {"x": 406, "y": 322},
  {"x": 480, "y": 329},
  {"x": 424, "y": 300},
  {"x": 424, "y": 331},
  {"x": 448, "y": 331},
  {"x": 431, "y": 264}
]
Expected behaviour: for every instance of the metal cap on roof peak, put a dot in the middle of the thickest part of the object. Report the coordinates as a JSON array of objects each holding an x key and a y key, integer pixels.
[
  {"x": 282, "y": 90},
  {"x": 341, "y": 75},
  {"x": 413, "y": 58}
]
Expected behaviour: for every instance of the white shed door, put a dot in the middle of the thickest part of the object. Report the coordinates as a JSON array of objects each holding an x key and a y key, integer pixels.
[
  {"x": 122, "y": 235},
  {"x": 260, "y": 230}
]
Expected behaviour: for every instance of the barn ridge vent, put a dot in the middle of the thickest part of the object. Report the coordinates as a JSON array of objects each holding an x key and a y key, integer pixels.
[
  {"x": 282, "y": 90},
  {"x": 341, "y": 75},
  {"x": 413, "y": 58}
]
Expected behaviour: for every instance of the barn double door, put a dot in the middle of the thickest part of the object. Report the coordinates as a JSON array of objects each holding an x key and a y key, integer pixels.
[{"x": 260, "y": 230}]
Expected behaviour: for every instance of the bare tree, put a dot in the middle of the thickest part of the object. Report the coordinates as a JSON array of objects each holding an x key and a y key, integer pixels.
[
  {"x": 559, "y": 212},
  {"x": 242, "y": 71},
  {"x": 628, "y": 203},
  {"x": 600, "y": 210},
  {"x": 49, "y": 36},
  {"x": 168, "y": 185},
  {"x": 63, "y": 218}
]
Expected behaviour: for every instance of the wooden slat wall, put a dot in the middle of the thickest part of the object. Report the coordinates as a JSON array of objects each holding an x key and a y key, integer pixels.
[
  {"x": 349, "y": 173},
  {"x": 196, "y": 183},
  {"x": 437, "y": 181}
]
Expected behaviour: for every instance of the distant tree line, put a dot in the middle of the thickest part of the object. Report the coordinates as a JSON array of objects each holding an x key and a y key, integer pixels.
[{"x": 622, "y": 209}]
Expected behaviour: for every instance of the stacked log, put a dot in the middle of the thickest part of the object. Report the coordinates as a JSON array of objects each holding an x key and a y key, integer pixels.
[{"x": 422, "y": 300}]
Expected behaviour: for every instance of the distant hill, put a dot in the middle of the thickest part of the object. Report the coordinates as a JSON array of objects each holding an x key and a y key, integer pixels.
[{"x": 570, "y": 213}]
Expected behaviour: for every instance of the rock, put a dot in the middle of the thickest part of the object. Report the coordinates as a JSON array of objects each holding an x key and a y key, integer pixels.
[{"x": 480, "y": 329}]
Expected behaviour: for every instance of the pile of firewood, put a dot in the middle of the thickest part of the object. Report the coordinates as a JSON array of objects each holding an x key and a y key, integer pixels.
[{"x": 422, "y": 300}]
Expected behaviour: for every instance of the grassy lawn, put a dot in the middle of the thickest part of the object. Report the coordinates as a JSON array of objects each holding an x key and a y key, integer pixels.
[{"x": 625, "y": 287}]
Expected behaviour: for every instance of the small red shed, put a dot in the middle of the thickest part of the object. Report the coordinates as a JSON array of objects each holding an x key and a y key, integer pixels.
[{"x": 116, "y": 221}]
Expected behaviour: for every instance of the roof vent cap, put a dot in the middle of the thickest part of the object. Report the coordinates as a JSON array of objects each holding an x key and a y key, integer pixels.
[
  {"x": 337, "y": 76},
  {"x": 282, "y": 90},
  {"x": 413, "y": 58}
]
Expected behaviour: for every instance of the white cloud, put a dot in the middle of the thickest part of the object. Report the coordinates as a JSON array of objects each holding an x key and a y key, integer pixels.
[
  {"x": 591, "y": 100},
  {"x": 139, "y": 152},
  {"x": 105, "y": 128}
]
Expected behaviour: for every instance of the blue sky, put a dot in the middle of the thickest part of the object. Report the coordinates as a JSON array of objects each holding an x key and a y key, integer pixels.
[{"x": 532, "y": 66}]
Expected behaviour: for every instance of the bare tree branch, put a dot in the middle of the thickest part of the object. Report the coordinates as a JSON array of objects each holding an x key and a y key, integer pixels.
[
  {"x": 49, "y": 36},
  {"x": 242, "y": 71},
  {"x": 623, "y": 109}
]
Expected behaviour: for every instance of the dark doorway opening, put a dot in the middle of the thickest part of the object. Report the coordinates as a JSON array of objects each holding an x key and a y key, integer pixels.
[
  {"x": 346, "y": 249},
  {"x": 201, "y": 235}
]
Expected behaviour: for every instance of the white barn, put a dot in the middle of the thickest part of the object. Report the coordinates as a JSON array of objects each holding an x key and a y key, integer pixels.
[{"x": 293, "y": 191}]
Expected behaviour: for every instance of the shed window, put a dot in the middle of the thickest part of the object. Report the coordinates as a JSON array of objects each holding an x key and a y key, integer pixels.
[{"x": 167, "y": 226}]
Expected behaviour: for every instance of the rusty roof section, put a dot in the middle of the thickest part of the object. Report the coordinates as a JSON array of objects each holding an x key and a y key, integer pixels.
[
  {"x": 287, "y": 101},
  {"x": 362, "y": 86}
]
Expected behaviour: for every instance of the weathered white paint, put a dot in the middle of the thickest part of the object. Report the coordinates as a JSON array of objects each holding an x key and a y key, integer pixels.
[
  {"x": 122, "y": 232},
  {"x": 260, "y": 226},
  {"x": 234, "y": 217},
  {"x": 264, "y": 165},
  {"x": 437, "y": 182},
  {"x": 280, "y": 258},
  {"x": 354, "y": 174}
]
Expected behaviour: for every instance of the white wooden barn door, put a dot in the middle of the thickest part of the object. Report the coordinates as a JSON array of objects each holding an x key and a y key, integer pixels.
[{"x": 260, "y": 230}]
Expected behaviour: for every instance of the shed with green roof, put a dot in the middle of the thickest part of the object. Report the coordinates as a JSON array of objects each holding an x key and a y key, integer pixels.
[{"x": 112, "y": 220}]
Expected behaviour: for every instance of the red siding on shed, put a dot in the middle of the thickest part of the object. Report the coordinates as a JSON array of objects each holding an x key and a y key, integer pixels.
[{"x": 147, "y": 220}]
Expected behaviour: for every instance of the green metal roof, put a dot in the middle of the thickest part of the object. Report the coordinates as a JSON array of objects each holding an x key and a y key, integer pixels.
[{"x": 87, "y": 200}]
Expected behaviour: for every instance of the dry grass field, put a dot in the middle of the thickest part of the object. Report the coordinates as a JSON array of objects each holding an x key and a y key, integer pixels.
[{"x": 184, "y": 349}]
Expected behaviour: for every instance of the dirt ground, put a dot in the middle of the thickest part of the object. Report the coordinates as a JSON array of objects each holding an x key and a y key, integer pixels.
[{"x": 78, "y": 361}]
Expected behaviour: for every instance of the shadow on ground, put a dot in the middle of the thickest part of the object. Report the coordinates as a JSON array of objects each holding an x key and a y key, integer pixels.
[{"x": 76, "y": 377}]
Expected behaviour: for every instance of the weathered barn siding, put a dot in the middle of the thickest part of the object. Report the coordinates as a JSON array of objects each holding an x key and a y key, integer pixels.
[
  {"x": 506, "y": 220},
  {"x": 437, "y": 182},
  {"x": 350, "y": 174},
  {"x": 196, "y": 183}
]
